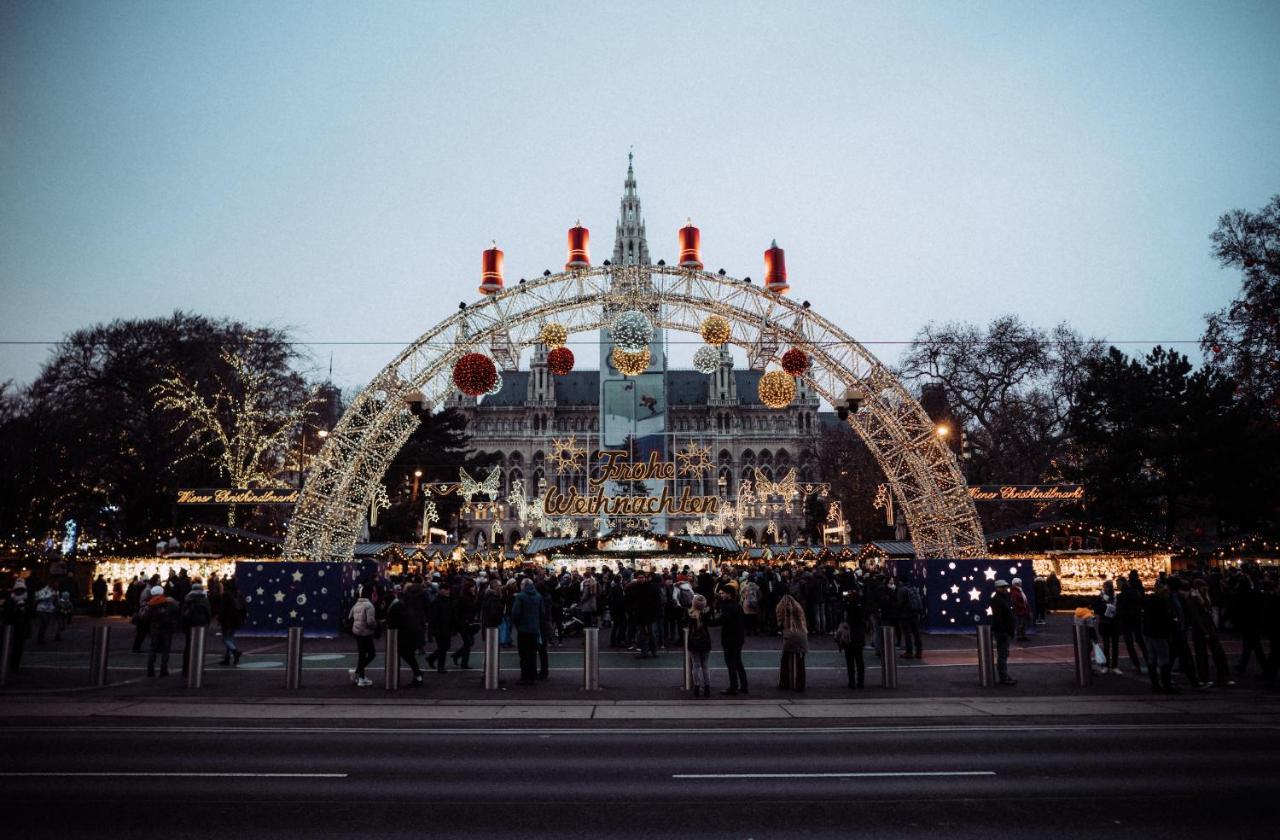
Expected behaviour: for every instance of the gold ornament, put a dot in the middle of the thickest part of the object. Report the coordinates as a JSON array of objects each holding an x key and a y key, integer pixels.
[
  {"x": 715, "y": 330},
  {"x": 631, "y": 364},
  {"x": 777, "y": 389},
  {"x": 553, "y": 335}
]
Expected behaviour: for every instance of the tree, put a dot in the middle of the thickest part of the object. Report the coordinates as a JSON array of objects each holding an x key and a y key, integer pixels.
[
  {"x": 245, "y": 420},
  {"x": 1243, "y": 339}
]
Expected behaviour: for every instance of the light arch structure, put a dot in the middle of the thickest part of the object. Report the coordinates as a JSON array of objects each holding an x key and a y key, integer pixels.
[{"x": 920, "y": 468}]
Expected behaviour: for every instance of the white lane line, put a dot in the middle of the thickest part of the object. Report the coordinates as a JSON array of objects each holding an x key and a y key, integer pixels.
[
  {"x": 884, "y": 775},
  {"x": 127, "y": 774}
]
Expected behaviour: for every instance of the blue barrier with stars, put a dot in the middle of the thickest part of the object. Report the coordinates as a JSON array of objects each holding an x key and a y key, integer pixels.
[{"x": 314, "y": 596}]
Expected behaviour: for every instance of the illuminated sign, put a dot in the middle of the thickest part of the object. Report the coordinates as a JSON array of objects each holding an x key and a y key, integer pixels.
[
  {"x": 615, "y": 467},
  {"x": 1027, "y": 493},
  {"x": 239, "y": 496}
]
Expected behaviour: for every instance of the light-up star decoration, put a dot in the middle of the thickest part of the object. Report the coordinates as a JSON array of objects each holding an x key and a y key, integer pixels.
[
  {"x": 430, "y": 515},
  {"x": 695, "y": 460},
  {"x": 566, "y": 453},
  {"x": 279, "y": 596},
  {"x": 974, "y": 594},
  {"x": 297, "y": 577},
  {"x": 469, "y": 488},
  {"x": 990, "y": 573},
  {"x": 954, "y": 589}
]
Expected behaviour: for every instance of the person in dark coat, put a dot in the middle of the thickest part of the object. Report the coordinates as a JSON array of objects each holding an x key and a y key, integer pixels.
[
  {"x": 1158, "y": 628},
  {"x": 133, "y": 603},
  {"x": 1129, "y": 613},
  {"x": 162, "y": 620},
  {"x": 407, "y": 617},
  {"x": 855, "y": 616},
  {"x": 17, "y": 614},
  {"x": 100, "y": 596},
  {"x": 1053, "y": 588},
  {"x": 464, "y": 618},
  {"x": 440, "y": 624},
  {"x": 194, "y": 612},
  {"x": 733, "y": 635},
  {"x": 526, "y": 616},
  {"x": 545, "y": 628},
  {"x": 1041, "y": 591},
  {"x": 231, "y": 613},
  {"x": 1003, "y": 628}
]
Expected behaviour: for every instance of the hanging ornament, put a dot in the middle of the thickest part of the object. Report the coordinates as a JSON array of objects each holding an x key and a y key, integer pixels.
[
  {"x": 560, "y": 361},
  {"x": 706, "y": 359},
  {"x": 630, "y": 364},
  {"x": 474, "y": 374},
  {"x": 777, "y": 389},
  {"x": 795, "y": 361},
  {"x": 632, "y": 331},
  {"x": 553, "y": 335},
  {"x": 496, "y": 386},
  {"x": 715, "y": 330}
]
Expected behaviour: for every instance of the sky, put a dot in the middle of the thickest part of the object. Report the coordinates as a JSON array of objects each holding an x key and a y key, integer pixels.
[{"x": 337, "y": 168}]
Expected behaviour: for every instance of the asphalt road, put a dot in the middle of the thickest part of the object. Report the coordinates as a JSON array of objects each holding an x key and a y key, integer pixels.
[{"x": 68, "y": 779}]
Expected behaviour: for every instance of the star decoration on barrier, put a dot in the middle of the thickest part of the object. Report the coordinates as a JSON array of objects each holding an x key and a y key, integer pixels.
[
  {"x": 566, "y": 453},
  {"x": 695, "y": 460},
  {"x": 974, "y": 594},
  {"x": 954, "y": 589},
  {"x": 279, "y": 596},
  {"x": 297, "y": 577},
  {"x": 470, "y": 488},
  {"x": 990, "y": 573}
]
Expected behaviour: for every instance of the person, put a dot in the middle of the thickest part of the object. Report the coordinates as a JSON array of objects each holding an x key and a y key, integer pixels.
[
  {"x": 440, "y": 624},
  {"x": 1129, "y": 613},
  {"x": 1105, "y": 608},
  {"x": 699, "y": 646},
  {"x": 1248, "y": 620},
  {"x": 1158, "y": 628},
  {"x": 46, "y": 608},
  {"x": 616, "y": 596},
  {"x": 851, "y": 636},
  {"x": 1003, "y": 628},
  {"x": 363, "y": 621},
  {"x": 795, "y": 645},
  {"x": 100, "y": 596},
  {"x": 526, "y": 611},
  {"x": 1179, "y": 649},
  {"x": 546, "y": 629},
  {"x": 162, "y": 620},
  {"x": 464, "y": 619},
  {"x": 751, "y": 606},
  {"x": 407, "y": 618},
  {"x": 1053, "y": 590},
  {"x": 1041, "y": 591},
  {"x": 231, "y": 612},
  {"x": 588, "y": 601},
  {"x": 193, "y": 612},
  {"x": 135, "y": 599},
  {"x": 732, "y": 637},
  {"x": 1204, "y": 636},
  {"x": 1021, "y": 610},
  {"x": 886, "y": 611},
  {"x": 17, "y": 614},
  {"x": 910, "y": 611}
]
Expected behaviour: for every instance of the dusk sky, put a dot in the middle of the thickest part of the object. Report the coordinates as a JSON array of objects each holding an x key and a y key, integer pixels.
[{"x": 338, "y": 168}]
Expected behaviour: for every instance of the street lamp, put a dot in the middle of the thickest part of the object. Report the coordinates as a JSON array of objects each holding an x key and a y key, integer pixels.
[
  {"x": 942, "y": 430},
  {"x": 417, "y": 477}
]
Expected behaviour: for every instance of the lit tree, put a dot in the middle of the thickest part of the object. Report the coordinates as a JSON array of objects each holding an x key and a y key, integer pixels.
[{"x": 243, "y": 425}]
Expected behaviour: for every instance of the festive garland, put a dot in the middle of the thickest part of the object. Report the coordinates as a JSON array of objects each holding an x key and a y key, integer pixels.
[
  {"x": 777, "y": 389},
  {"x": 632, "y": 331},
  {"x": 630, "y": 364},
  {"x": 706, "y": 360},
  {"x": 795, "y": 361},
  {"x": 715, "y": 330},
  {"x": 560, "y": 361},
  {"x": 474, "y": 374}
]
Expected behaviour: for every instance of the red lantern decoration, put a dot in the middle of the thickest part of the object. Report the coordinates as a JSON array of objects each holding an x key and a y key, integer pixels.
[
  {"x": 578, "y": 255},
  {"x": 775, "y": 270},
  {"x": 795, "y": 361},
  {"x": 491, "y": 271},
  {"x": 475, "y": 374},
  {"x": 560, "y": 361},
  {"x": 689, "y": 246}
]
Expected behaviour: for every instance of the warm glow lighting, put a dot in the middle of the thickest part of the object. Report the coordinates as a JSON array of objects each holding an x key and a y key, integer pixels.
[{"x": 943, "y": 430}]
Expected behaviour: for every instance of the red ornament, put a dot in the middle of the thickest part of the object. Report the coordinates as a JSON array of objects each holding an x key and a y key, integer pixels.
[
  {"x": 795, "y": 361},
  {"x": 474, "y": 374},
  {"x": 1217, "y": 348},
  {"x": 560, "y": 361}
]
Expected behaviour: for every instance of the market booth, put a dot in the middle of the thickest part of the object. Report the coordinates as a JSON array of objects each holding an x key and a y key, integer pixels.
[{"x": 636, "y": 551}]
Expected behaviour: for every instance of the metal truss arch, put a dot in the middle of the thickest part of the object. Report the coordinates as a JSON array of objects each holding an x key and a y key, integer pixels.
[{"x": 919, "y": 467}]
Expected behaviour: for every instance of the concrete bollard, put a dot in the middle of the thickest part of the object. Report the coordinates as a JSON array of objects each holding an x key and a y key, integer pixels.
[
  {"x": 98, "y": 652},
  {"x": 391, "y": 668},
  {"x": 6, "y": 652},
  {"x": 986, "y": 657},
  {"x": 293, "y": 659},
  {"x": 889, "y": 657},
  {"x": 194, "y": 657},
  {"x": 1083, "y": 650},
  {"x": 492, "y": 660},
  {"x": 591, "y": 659},
  {"x": 688, "y": 663}
]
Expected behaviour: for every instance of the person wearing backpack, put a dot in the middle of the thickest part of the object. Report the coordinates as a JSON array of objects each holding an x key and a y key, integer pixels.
[
  {"x": 231, "y": 613},
  {"x": 910, "y": 611},
  {"x": 194, "y": 612},
  {"x": 162, "y": 620}
]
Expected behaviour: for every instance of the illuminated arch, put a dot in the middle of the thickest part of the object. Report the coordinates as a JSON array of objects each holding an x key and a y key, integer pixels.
[{"x": 919, "y": 467}]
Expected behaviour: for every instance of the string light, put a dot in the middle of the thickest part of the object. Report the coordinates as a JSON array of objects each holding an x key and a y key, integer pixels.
[
  {"x": 706, "y": 360},
  {"x": 776, "y": 389},
  {"x": 715, "y": 330},
  {"x": 560, "y": 361},
  {"x": 474, "y": 374},
  {"x": 630, "y": 364},
  {"x": 795, "y": 361},
  {"x": 632, "y": 331},
  {"x": 553, "y": 335}
]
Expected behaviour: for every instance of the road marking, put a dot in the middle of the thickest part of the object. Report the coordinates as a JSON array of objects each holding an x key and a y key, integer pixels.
[
  {"x": 127, "y": 774},
  {"x": 884, "y": 775}
]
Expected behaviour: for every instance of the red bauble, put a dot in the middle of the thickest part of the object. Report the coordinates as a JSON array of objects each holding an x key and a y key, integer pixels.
[
  {"x": 795, "y": 361},
  {"x": 560, "y": 361},
  {"x": 474, "y": 374}
]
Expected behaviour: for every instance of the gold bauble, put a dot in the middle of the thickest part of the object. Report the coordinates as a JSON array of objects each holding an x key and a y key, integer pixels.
[
  {"x": 777, "y": 389},
  {"x": 631, "y": 364},
  {"x": 553, "y": 335},
  {"x": 715, "y": 330}
]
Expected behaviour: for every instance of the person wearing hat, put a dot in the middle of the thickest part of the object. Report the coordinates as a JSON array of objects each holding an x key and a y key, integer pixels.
[
  {"x": 162, "y": 620},
  {"x": 194, "y": 612},
  {"x": 17, "y": 614},
  {"x": 1021, "y": 610},
  {"x": 1002, "y": 630}
]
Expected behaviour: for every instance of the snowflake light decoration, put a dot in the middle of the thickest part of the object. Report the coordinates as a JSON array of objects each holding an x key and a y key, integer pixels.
[
  {"x": 566, "y": 453},
  {"x": 706, "y": 360},
  {"x": 632, "y": 331},
  {"x": 695, "y": 460}
]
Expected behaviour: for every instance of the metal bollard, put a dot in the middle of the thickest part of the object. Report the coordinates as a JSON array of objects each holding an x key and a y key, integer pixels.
[
  {"x": 6, "y": 652},
  {"x": 986, "y": 657},
  {"x": 1083, "y": 649},
  {"x": 391, "y": 667},
  {"x": 195, "y": 657},
  {"x": 98, "y": 651},
  {"x": 492, "y": 662},
  {"x": 293, "y": 659},
  {"x": 591, "y": 659},
  {"x": 688, "y": 663},
  {"x": 889, "y": 657}
]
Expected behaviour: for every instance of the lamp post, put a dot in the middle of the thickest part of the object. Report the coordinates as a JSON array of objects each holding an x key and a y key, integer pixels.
[{"x": 417, "y": 478}]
